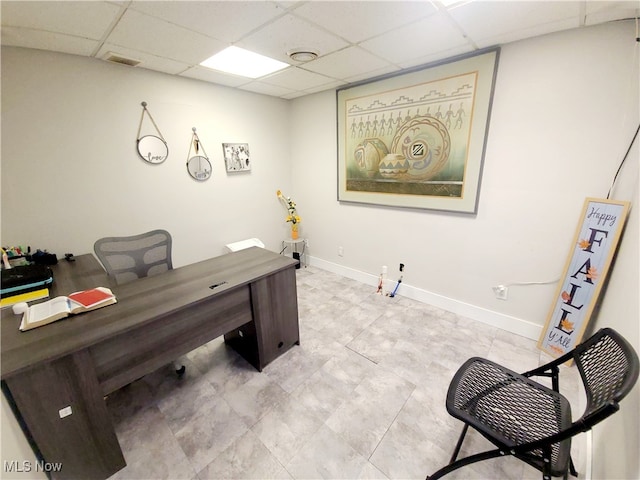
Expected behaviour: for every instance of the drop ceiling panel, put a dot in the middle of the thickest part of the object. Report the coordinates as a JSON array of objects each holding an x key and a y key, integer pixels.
[
  {"x": 147, "y": 60},
  {"x": 228, "y": 21},
  {"x": 424, "y": 37},
  {"x": 372, "y": 74},
  {"x": 287, "y": 33},
  {"x": 41, "y": 40},
  {"x": 266, "y": 89},
  {"x": 163, "y": 39},
  {"x": 503, "y": 18},
  {"x": 350, "y": 62},
  {"x": 297, "y": 79},
  {"x": 356, "y": 40},
  {"x": 606, "y": 11},
  {"x": 358, "y": 21},
  {"x": 417, "y": 62},
  {"x": 533, "y": 31},
  {"x": 82, "y": 19},
  {"x": 327, "y": 86},
  {"x": 208, "y": 75}
]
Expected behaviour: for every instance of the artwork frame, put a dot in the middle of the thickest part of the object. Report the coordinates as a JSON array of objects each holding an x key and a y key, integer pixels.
[
  {"x": 592, "y": 251},
  {"x": 236, "y": 157},
  {"x": 393, "y": 150}
]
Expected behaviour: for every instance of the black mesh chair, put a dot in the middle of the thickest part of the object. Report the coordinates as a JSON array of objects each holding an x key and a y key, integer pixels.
[
  {"x": 530, "y": 421},
  {"x": 128, "y": 258}
]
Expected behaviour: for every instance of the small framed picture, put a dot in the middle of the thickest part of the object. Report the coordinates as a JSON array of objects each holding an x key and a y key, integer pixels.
[{"x": 236, "y": 157}]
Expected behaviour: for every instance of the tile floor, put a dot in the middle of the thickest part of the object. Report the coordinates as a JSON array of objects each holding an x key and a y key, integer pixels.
[{"x": 362, "y": 397}]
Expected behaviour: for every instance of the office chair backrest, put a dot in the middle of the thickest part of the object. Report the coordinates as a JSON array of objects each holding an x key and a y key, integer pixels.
[
  {"x": 129, "y": 258},
  {"x": 609, "y": 369}
]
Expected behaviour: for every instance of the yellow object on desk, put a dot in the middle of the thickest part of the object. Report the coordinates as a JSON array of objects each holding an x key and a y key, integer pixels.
[{"x": 24, "y": 297}]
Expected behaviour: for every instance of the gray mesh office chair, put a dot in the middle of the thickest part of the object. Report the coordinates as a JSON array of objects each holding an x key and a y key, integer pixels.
[
  {"x": 137, "y": 256},
  {"x": 129, "y": 258}
]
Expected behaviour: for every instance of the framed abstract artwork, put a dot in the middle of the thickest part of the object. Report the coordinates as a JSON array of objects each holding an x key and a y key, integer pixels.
[
  {"x": 590, "y": 255},
  {"x": 417, "y": 139},
  {"x": 236, "y": 157}
]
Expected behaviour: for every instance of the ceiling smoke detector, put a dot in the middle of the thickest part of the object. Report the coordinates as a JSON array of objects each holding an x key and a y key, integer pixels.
[{"x": 302, "y": 55}]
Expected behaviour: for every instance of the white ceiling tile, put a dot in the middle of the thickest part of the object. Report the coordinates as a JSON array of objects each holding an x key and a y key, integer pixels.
[
  {"x": 208, "y": 75},
  {"x": 372, "y": 74},
  {"x": 449, "y": 53},
  {"x": 296, "y": 78},
  {"x": 266, "y": 89},
  {"x": 425, "y": 37},
  {"x": 287, "y": 33},
  {"x": 327, "y": 86},
  {"x": 41, "y": 40},
  {"x": 292, "y": 95},
  {"x": 481, "y": 20},
  {"x": 357, "y": 21},
  {"x": 82, "y": 19},
  {"x": 352, "y": 61},
  {"x": 533, "y": 31},
  {"x": 163, "y": 39},
  {"x": 147, "y": 60},
  {"x": 228, "y": 21},
  {"x": 605, "y": 11},
  {"x": 175, "y": 36}
]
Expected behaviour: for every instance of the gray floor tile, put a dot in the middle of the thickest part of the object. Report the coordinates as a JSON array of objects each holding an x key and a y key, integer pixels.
[
  {"x": 361, "y": 397},
  {"x": 246, "y": 458},
  {"x": 326, "y": 455}
]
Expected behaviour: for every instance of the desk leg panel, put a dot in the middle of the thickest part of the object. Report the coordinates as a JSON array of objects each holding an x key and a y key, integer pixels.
[
  {"x": 83, "y": 443},
  {"x": 274, "y": 301},
  {"x": 137, "y": 352}
]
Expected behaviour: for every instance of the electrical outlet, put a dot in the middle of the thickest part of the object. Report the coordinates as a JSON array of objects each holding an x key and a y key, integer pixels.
[
  {"x": 340, "y": 251},
  {"x": 306, "y": 243},
  {"x": 501, "y": 292}
]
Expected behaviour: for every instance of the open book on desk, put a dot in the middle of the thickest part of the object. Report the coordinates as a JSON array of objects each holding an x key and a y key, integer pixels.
[{"x": 61, "y": 307}]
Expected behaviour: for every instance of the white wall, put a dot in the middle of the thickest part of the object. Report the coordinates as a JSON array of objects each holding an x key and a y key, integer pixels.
[
  {"x": 71, "y": 174},
  {"x": 565, "y": 109}
]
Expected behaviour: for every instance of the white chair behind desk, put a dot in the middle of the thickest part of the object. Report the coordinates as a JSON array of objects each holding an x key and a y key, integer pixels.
[{"x": 242, "y": 244}]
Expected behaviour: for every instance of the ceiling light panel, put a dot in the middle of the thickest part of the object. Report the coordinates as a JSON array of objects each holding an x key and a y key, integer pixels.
[{"x": 239, "y": 61}]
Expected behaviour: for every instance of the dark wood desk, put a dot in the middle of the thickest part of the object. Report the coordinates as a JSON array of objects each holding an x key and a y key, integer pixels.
[{"x": 76, "y": 361}]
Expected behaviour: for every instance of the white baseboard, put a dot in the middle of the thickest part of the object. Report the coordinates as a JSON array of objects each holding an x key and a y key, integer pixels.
[
  {"x": 511, "y": 324},
  {"x": 589, "y": 455}
]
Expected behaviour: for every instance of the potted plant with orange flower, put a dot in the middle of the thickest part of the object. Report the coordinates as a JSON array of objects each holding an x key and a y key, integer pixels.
[{"x": 292, "y": 214}]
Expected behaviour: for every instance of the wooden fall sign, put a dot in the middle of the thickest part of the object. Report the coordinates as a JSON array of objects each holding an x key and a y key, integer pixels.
[{"x": 594, "y": 245}]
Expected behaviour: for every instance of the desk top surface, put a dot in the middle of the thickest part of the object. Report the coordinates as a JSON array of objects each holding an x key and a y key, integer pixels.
[{"x": 139, "y": 302}]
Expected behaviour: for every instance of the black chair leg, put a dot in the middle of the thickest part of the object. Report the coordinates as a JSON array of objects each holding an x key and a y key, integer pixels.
[
  {"x": 478, "y": 457},
  {"x": 459, "y": 444},
  {"x": 572, "y": 468}
]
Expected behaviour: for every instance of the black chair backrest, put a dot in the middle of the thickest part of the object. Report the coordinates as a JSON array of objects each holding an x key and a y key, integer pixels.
[{"x": 609, "y": 369}]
